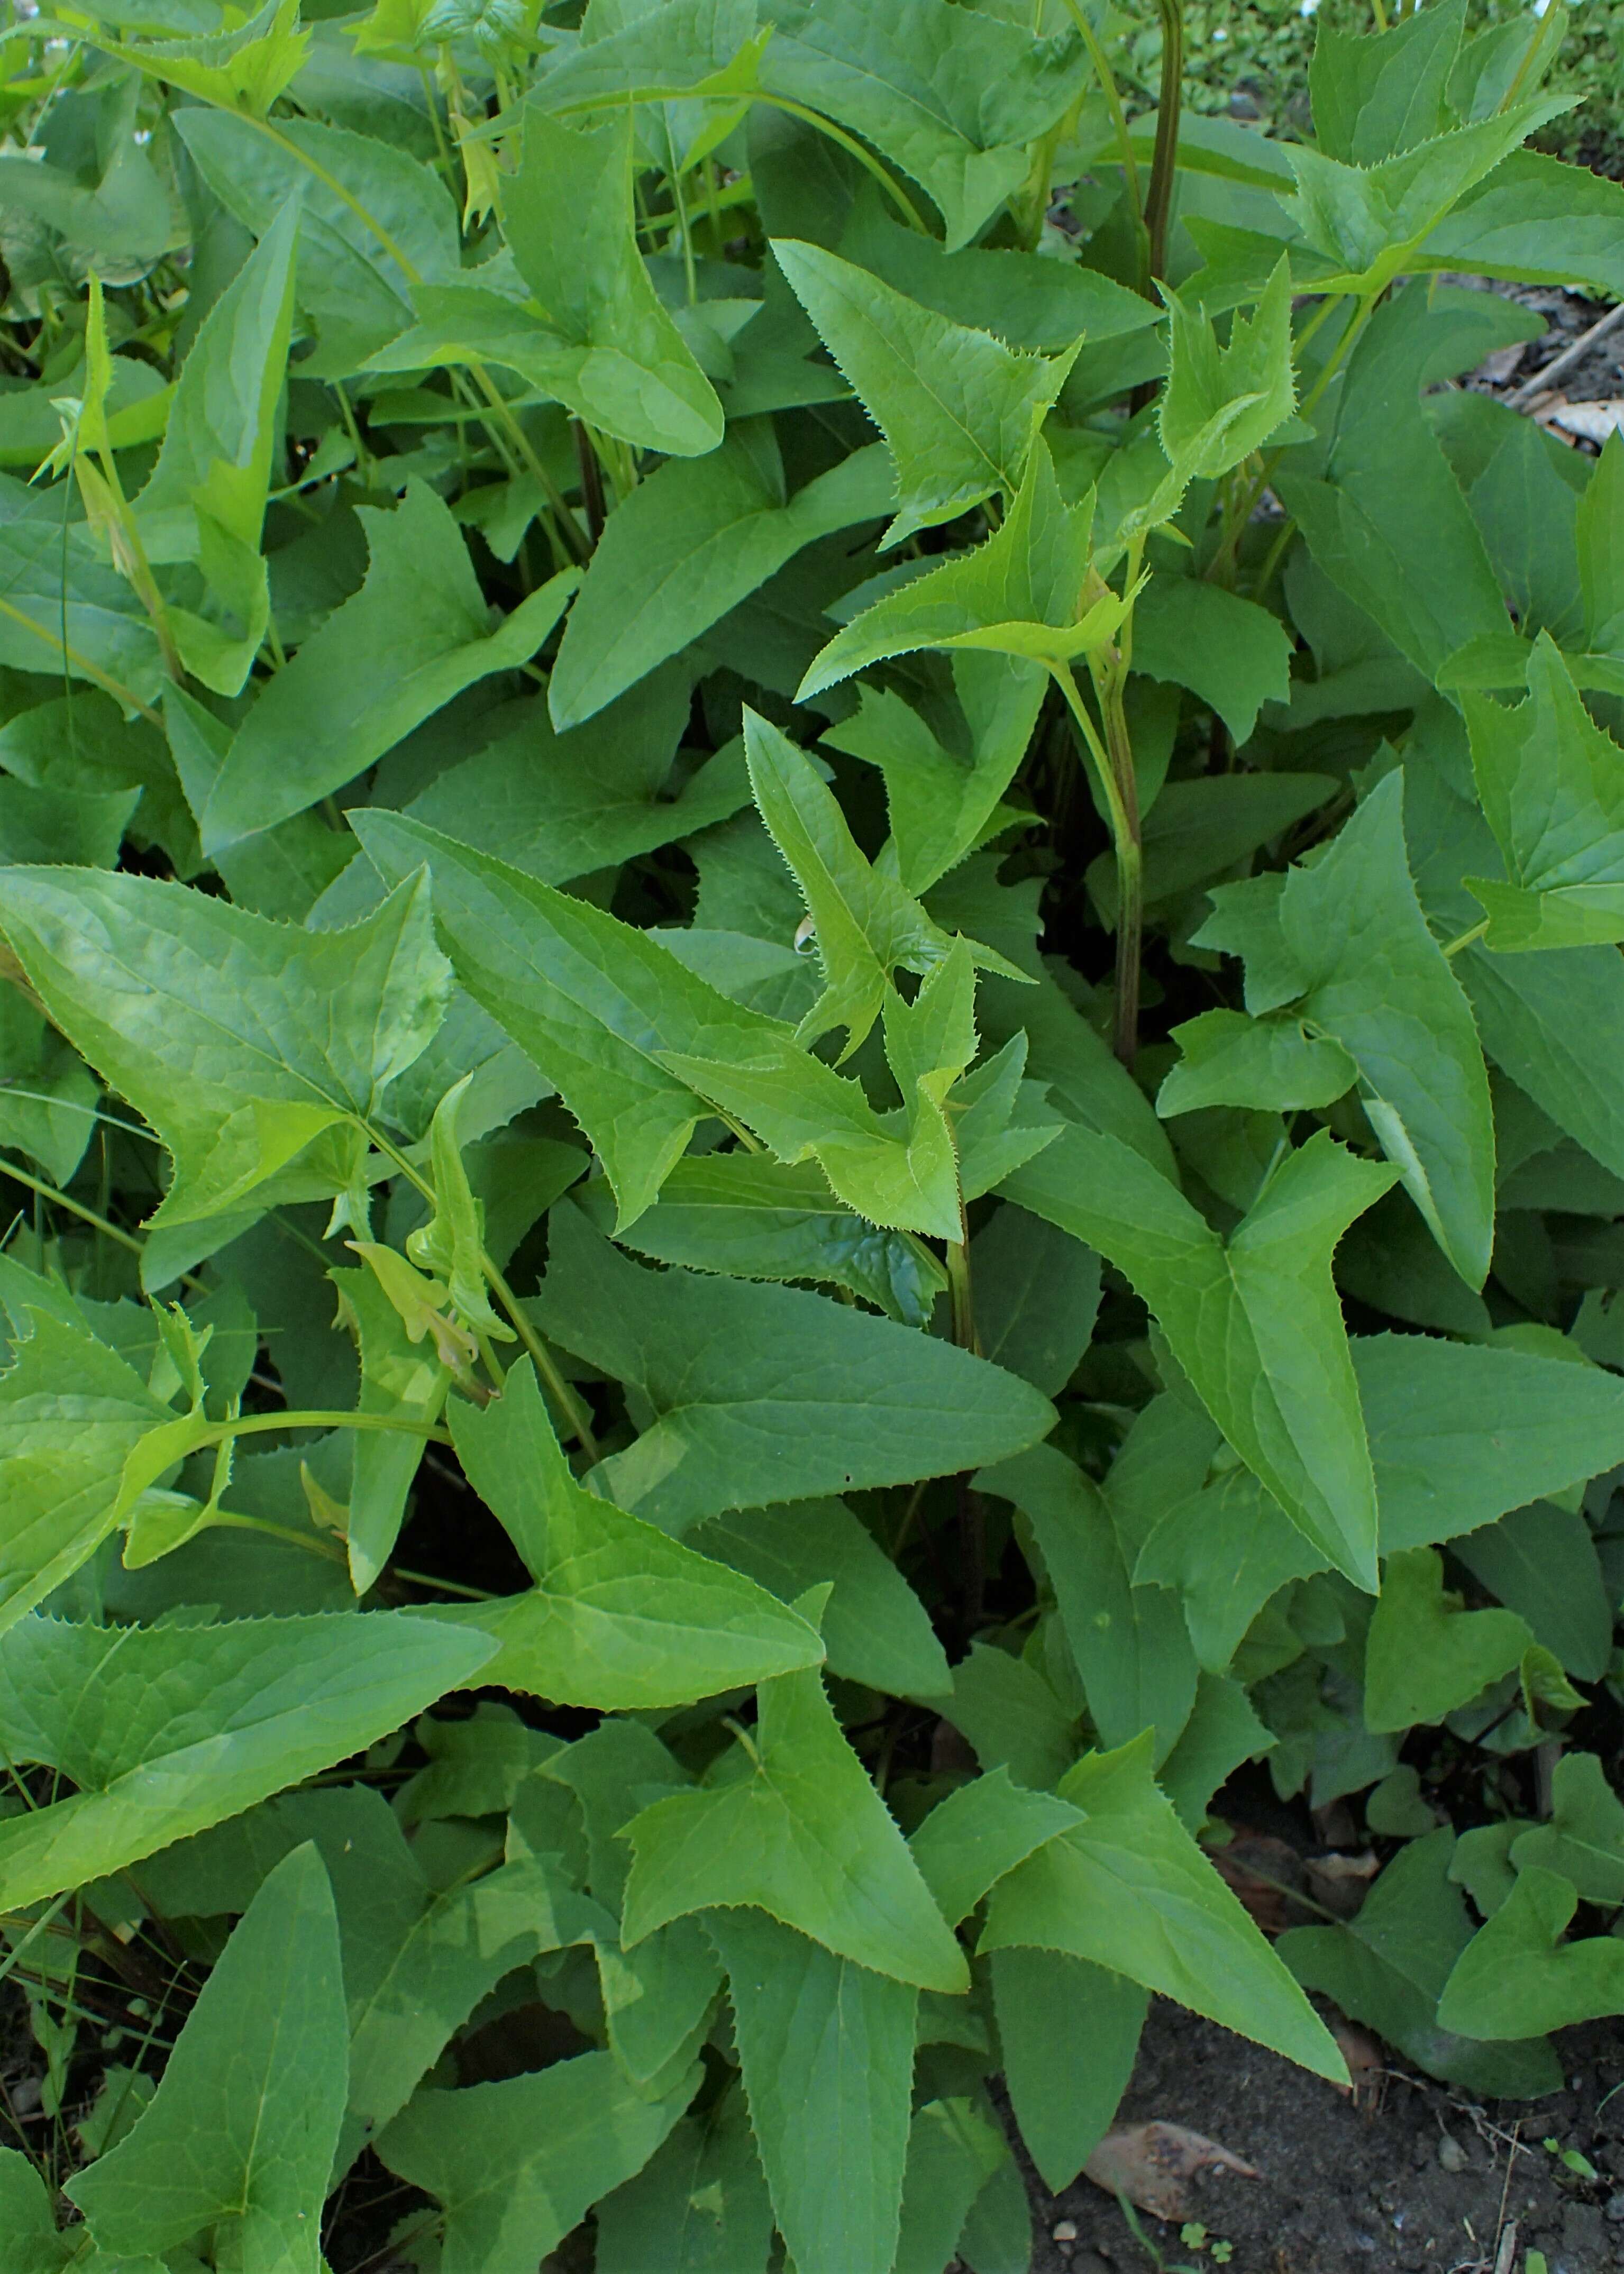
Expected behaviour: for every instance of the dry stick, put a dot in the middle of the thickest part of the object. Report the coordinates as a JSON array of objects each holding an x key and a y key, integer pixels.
[{"x": 1541, "y": 382}]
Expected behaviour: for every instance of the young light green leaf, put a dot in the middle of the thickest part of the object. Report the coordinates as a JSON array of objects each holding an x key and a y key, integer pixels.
[
  {"x": 240, "y": 2135},
  {"x": 762, "y": 1395},
  {"x": 198, "y": 1012},
  {"x": 1228, "y": 1548},
  {"x": 164, "y": 1730},
  {"x": 622, "y": 1615},
  {"x": 592, "y": 333},
  {"x": 1425, "y": 1654},
  {"x": 515, "y": 2166},
  {"x": 802, "y": 1835},
  {"x": 827, "y": 2051},
  {"x": 1021, "y": 593},
  {"x": 1255, "y": 1323},
  {"x": 1220, "y": 404},
  {"x": 1551, "y": 784},
  {"x": 957, "y": 409},
  {"x": 1129, "y": 1890}
]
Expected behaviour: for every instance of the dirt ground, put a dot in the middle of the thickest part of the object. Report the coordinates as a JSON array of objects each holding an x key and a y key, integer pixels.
[{"x": 1417, "y": 2178}]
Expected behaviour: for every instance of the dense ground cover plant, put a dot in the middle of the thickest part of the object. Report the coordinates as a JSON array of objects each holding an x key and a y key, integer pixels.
[{"x": 813, "y": 1078}]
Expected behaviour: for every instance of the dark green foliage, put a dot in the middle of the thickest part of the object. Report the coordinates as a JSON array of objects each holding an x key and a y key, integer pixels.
[{"x": 810, "y": 1089}]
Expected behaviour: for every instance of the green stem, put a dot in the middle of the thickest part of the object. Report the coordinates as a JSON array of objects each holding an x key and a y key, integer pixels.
[
  {"x": 1114, "y": 770},
  {"x": 74, "y": 1208},
  {"x": 1467, "y": 937},
  {"x": 121, "y": 695},
  {"x": 259, "y": 1425},
  {"x": 329, "y": 1550},
  {"x": 541, "y": 1358},
  {"x": 1108, "y": 88},
  {"x": 1164, "y": 160},
  {"x": 864, "y": 156},
  {"x": 971, "y": 1515}
]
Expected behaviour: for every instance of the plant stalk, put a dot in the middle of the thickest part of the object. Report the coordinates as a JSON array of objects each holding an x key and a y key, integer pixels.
[{"x": 1164, "y": 160}]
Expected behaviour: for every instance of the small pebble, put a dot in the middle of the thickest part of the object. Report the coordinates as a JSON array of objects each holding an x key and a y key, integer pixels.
[
  {"x": 1451, "y": 2155},
  {"x": 1615, "y": 2207},
  {"x": 1066, "y": 2232}
]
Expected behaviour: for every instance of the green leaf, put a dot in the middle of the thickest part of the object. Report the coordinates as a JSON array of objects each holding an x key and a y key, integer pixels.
[
  {"x": 1377, "y": 93},
  {"x": 622, "y": 1615},
  {"x": 25, "y": 2206},
  {"x": 1129, "y": 1890},
  {"x": 514, "y": 2166},
  {"x": 1385, "y": 478},
  {"x": 800, "y": 1833},
  {"x": 864, "y": 925},
  {"x": 1228, "y": 1548},
  {"x": 1558, "y": 816},
  {"x": 827, "y": 2051},
  {"x": 1220, "y": 404},
  {"x": 240, "y": 2135},
  {"x": 979, "y": 1833},
  {"x": 1584, "y": 1839},
  {"x": 1128, "y": 1643},
  {"x": 750, "y": 1218},
  {"x": 944, "y": 797},
  {"x": 1037, "y": 1297},
  {"x": 1231, "y": 654},
  {"x": 1459, "y": 1434},
  {"x": 957, "y": 409},
  {"x": 952, "y": 100},
  {"x": 1048, "y": 2004},
  {"x": 197, "y": 1013},
  {"x": 71, "y": 1413},
  {"x": 762, "y": 1395},
  {"x": 402, "y": 1375},
  {"x": 1426, "y": 1654},
  {"x": 1387, "y": 1967},
  {"x": 700, "y": 2207},
  {"x": 1361, "y": 966},
  {"x": 1517, "y": 1978},
  {"x": 594, "y": 1003},
  {"x": 214, "y": 472},
  {"x": 1019, "y": 594},
  {"x": 876, "y": 1629},
  {"x": 1541, "y": 1562},
  {"x": 164, "y": 1730},
  {"x": 1600, "y": 555},
  {"x": 417, "y": 633},
  {"x": 1254, "y": 1322},
  {"x": 1275, "y": 1065},
  {"x": 689, "y": 544},
  {"x": 1012, "y": 1717},
  {"x": 1197, "y": 830},
  {"x": 591, "y": 332},
  {"x": 954, "y": 2147}
]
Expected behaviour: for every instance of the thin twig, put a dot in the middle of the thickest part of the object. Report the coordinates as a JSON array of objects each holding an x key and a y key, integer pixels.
[{"x": 1540, "y": 384}]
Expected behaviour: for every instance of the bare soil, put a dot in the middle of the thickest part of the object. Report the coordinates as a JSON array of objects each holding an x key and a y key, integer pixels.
[{"x": 1414, "y": 2177}]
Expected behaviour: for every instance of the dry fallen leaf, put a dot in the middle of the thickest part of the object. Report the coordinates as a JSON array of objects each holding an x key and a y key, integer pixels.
[
  {"x": 1590, "y": 422},
  {"x": 1265, "y": 1874},
  {"x": 1150, "y": 2164},
  {"x": 1361, "y": 2054},
  {"x": 1340, "y": 1882}
]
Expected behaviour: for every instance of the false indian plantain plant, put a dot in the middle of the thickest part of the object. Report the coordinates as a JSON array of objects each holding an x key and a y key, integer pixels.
[{"x": 812, "y": 1093}]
